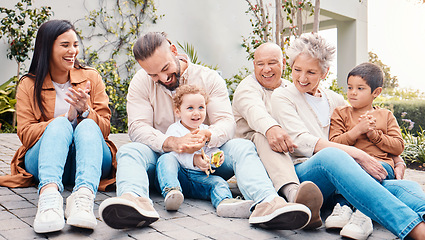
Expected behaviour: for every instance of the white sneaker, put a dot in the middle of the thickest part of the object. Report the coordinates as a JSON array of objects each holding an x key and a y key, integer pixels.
[
  {"x": 340, "y": 217},
  {"x": 49, "y": 217},
  {"x": 234, "y": 208},
  {"x": 173, "y": 200},
  {"x": 79, "y": 209},
  {"x": 359, "y": 227}
]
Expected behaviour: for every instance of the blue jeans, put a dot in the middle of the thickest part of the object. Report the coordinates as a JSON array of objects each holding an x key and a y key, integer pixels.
[
  {"x": 193, "y": 184},
  {"x": 342, "y": 201},
  {"x": 398, "y": 205},
  {"x": 64, "y": 155},
  {"x": 136, "y": 168}
]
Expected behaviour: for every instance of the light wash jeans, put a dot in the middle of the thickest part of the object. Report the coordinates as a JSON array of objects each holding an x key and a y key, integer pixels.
[
  {"x": 398, "y": 205},
  {"x": 64, "y": 155},
  {"x": 193, "y": 184},
  {"x": 136, "y": 168}
]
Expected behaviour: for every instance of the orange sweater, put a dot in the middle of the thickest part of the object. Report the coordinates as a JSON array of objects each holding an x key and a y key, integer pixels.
[
  {"x": 31, "y": 123},
  {"x": 385, "y": 140}
]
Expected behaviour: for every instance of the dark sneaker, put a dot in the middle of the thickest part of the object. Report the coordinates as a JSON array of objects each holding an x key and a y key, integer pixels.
[
  {"x": 127, "y": 211},
  {"x": 278, "y": 214},
  {"x": 310, "y": 195}
]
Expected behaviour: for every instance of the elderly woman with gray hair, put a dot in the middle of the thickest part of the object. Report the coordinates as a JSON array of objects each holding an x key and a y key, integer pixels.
[{"x": 304, "y": 111}]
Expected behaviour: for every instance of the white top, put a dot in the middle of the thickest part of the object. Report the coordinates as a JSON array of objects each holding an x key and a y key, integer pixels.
[
  {"x": 320, "y": 106},
  {"x": 61, "y": 106},
  {"x": 186, "y": 159}
]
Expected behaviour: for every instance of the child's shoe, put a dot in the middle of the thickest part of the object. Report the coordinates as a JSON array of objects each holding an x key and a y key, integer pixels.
[{"x": 173, "y": 200}]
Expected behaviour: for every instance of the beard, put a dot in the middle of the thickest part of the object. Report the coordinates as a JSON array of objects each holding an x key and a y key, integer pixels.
[{"x": 176, "y": 84}]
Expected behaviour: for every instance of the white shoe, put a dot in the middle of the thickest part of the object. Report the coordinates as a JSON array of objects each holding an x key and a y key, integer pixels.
[
  {"x": 173, "y": 200},
  {"x": 49, "y": 217},
  {"x": 234, "y": 208},
  {"x": 339, "y": 217},
  {"x": 79, "y": 209},
  {"x": 359, "y": 227}
]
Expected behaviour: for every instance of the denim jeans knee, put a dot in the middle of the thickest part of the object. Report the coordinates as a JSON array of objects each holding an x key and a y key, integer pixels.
[{"x": 136, "y": 169}]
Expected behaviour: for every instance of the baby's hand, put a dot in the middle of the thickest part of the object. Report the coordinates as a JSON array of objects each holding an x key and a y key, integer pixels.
[{"x": 199, "y": 162}]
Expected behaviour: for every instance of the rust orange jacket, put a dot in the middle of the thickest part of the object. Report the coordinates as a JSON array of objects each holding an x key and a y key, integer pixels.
[{"x": 31, "y": 123}]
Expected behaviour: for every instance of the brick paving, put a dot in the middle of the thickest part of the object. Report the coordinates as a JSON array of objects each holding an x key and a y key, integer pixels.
[{"x": 196, "y": 219}]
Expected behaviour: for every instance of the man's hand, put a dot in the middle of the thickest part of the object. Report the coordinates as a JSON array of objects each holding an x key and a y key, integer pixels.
[
  {"x": 279, "y": 140},
  {"x": 189, "y": 143}
]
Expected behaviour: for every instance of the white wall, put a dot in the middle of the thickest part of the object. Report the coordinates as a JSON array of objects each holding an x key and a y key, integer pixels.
[{"x": 215, "y": 28}]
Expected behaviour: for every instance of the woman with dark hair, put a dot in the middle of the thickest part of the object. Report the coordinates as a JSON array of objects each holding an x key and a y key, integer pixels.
[{"x": 63, "y": 124}]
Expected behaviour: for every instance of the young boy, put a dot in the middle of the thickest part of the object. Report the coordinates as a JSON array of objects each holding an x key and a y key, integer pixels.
[
  {"x": 185, "y": 172},
  {"x": 371, "y": 129}
]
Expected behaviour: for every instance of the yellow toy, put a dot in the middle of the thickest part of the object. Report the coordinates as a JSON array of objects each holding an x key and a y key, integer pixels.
[{"x": 215, "y": 159}]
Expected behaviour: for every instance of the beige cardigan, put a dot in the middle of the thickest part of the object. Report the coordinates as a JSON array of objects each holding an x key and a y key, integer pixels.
[
  {"x": 252, "y": 108},
  {"x": 292, "y": 111}
]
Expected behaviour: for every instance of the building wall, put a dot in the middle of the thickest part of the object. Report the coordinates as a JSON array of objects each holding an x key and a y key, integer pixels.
[{"x": 215, "y": 29}]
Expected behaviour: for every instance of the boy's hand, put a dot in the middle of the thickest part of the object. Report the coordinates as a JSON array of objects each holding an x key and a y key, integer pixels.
[
  {"x": 221, "y": 158},
  {"x": 199, "y": 162},
  {"x": 367, "y": 123}
]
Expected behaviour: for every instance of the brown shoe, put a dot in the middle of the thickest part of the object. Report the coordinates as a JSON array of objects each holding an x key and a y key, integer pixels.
[
  {"x": 278, "y": 214},
  {"x": 127, "y": 211},
  {"x": 310, "y": 195}
]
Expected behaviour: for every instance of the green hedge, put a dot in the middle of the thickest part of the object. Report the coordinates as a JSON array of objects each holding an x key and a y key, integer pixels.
[{"x": 409, "y": 110}]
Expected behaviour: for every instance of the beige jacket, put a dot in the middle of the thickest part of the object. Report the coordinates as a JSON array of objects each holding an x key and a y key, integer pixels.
[
  {"x": 292, "y": 111},
  {"x": 252, "y": 107},
  {"x": 31, "y": 123},
  {"x": 150, "y": 107}
]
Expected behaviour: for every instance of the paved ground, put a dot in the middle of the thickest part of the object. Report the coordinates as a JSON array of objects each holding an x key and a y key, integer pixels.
[{"x": 196, "y": 219}]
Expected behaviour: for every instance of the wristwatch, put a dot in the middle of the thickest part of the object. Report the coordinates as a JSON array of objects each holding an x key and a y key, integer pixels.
[{"x": 85, "y": 114}]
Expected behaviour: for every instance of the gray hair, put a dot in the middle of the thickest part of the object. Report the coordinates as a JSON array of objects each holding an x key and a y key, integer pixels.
[
  {"x": 146, "y": 45},
  {"x": 314, "y": 46}
]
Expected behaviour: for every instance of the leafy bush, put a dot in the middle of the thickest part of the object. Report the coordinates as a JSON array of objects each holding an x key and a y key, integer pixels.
[
  {"x": 410, "y": 114},
  {"x": 414, "y": 150},
  {"x": 7, "y": 105}
]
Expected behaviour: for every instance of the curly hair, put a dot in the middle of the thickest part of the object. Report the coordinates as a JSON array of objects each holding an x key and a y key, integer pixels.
[
  {"x": 314, "y": 46},
  {"x": 188, "y": 89}
]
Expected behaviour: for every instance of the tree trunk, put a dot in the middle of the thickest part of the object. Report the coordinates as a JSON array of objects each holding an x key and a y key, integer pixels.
[
  {"x": 316, "y": 16},
  {"x": 16, "y": 89},
  {"x": 299, "y": 21},
  {"x": 279, "y": 22},
  {"x": 264, "y": 21}
]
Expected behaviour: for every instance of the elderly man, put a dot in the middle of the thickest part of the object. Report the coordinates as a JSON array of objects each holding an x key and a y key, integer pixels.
[
  {"x": 150, "y": 112},
  {"x": 252, "y": 111}
]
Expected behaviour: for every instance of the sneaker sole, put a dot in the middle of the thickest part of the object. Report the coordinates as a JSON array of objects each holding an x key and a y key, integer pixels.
[
  {"x": 335, "y": 224},
  {"x": 120, "y": 214},
  {"x": 310, "y": 195},
  {"x": 48, "y": 227},
  {"x": 288, "y": 218},
  {"x": 81, "y": 223},
  {"x": 354, "y": 235},
  {"x": 235, "y": 210},
  {"x": 173, "y": 202}
]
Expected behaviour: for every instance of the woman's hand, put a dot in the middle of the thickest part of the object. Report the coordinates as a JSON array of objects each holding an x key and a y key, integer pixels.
[
  {"x": 370, "y": 164},
  {"x": 399, "y": 167},
  {"x": 78, "y": 101}
]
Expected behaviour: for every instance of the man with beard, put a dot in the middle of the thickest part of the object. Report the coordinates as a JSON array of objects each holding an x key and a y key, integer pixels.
[{"x": 150, "y": 112}]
